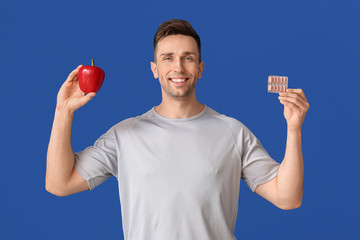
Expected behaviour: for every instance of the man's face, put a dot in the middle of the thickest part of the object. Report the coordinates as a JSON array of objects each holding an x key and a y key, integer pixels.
[{"x": 177, "y": 65}]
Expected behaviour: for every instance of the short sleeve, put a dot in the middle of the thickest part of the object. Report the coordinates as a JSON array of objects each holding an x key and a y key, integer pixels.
[
  {"x": 98, "y": 162},
  {"x": 257, "y": 165}
]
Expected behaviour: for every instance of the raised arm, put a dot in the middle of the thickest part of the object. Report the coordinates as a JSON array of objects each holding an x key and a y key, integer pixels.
[
  {"x": 286, "y": 190},
  {"x": 61, "y": 177}
]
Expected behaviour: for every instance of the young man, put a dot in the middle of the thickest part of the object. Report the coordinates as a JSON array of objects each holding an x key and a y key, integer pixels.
[{"x": 179, "y": 164}]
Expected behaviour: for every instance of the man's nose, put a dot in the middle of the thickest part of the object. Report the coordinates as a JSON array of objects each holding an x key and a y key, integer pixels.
[{"x": 179, "y": 65}]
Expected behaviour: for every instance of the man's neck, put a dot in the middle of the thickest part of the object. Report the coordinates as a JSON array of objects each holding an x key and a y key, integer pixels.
[{"x": 179, "y": 108}]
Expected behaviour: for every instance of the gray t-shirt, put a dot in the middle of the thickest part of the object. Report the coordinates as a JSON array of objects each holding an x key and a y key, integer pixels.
[{"x": 178, "y": 179}]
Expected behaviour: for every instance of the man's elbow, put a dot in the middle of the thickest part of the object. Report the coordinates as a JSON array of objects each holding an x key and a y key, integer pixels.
[
  {"x": 55, "y": 190},
  {"x": 290, "y": 205}
]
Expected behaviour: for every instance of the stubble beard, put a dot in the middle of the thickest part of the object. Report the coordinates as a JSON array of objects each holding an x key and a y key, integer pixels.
[{"x": 181, "y": 93}]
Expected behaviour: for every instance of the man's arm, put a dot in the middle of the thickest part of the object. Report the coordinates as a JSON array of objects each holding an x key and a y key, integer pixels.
[
  {"x": 286, "y": 189},
  {"x": 61, "y": 177}
]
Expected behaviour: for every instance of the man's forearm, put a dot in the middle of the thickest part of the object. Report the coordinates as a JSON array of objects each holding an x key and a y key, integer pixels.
[
  {"x": 60, "y": 156},
  {"x": 291, "y": 172}
]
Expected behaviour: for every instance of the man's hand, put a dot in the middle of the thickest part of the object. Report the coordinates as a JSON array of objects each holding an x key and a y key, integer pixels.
[
  {"x": 70, "y": 97},
  {"x": 295, "y": 108}
]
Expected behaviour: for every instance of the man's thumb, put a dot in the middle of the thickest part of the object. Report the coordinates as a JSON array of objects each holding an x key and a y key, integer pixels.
[
  {"x": 88, "y": 97},
  {"x": 91, "y": 95}
]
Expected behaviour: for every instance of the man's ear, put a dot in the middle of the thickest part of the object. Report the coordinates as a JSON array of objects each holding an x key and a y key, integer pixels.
[
  {"x": 201, "y": 68},
  {"x": 154, "y": 69}
]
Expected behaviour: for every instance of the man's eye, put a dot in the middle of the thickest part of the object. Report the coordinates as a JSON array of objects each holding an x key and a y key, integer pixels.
[
  {"x": 188, "y": 59},
  {"x": 167, "y": 58}
]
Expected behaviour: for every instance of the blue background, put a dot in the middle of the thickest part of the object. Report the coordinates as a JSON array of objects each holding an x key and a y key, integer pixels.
[{"x": 314, "y": 43}]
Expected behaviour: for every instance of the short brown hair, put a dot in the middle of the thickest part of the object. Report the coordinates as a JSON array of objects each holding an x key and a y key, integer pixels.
[{"x": 173, "y": 27}]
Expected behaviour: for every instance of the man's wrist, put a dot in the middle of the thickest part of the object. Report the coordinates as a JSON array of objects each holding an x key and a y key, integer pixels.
[
  {"x": 294, "y": 132},
  {"x": 64, "y": 111}
]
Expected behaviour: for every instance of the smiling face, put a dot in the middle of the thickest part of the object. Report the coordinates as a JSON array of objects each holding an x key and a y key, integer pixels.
[{"x": 177, "y": 66}]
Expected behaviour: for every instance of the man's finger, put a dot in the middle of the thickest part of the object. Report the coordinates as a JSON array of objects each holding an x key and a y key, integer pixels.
[
  {"x": 294, "y": 93},
  {"x": 299, "y": 91},
  {"x": 295, "y": 108},
  {"x": 73, "y": 74},
  {"x": 297, "y": 100},
  {"x": 290, "y": 105}
]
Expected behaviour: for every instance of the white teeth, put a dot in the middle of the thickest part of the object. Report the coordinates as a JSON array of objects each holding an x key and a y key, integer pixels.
[{"x": 178, "y": 80}]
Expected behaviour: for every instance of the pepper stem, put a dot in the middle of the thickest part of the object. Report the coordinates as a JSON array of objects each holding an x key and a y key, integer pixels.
[{"x": 92, "y": 62}]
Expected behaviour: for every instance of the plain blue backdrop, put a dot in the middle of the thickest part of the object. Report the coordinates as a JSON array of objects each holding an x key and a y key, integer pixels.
[{"x": 314, "y": 43}]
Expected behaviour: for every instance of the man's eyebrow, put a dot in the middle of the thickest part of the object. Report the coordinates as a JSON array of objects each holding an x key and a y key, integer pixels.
[
  {"x": 185, "y": 53},
  {"x": 189, "y": 53},
  {"x": 166, "y": 54}
]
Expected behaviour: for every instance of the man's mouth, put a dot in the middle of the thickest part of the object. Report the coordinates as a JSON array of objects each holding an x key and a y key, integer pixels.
[{"x": 178, "y": 80}]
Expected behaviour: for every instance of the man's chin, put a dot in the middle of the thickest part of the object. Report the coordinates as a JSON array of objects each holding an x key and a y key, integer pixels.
[{"x": 179, "y": 94}]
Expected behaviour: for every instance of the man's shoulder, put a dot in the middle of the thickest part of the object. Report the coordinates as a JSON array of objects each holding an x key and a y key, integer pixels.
[
  {"x": 130, "y": 122},
  {"x": 235, "y": 126},
  {"x": 232, "y": 122}
]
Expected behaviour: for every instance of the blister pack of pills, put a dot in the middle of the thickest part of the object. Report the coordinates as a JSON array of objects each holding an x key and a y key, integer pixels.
[{"x": 277, "y": 84}]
